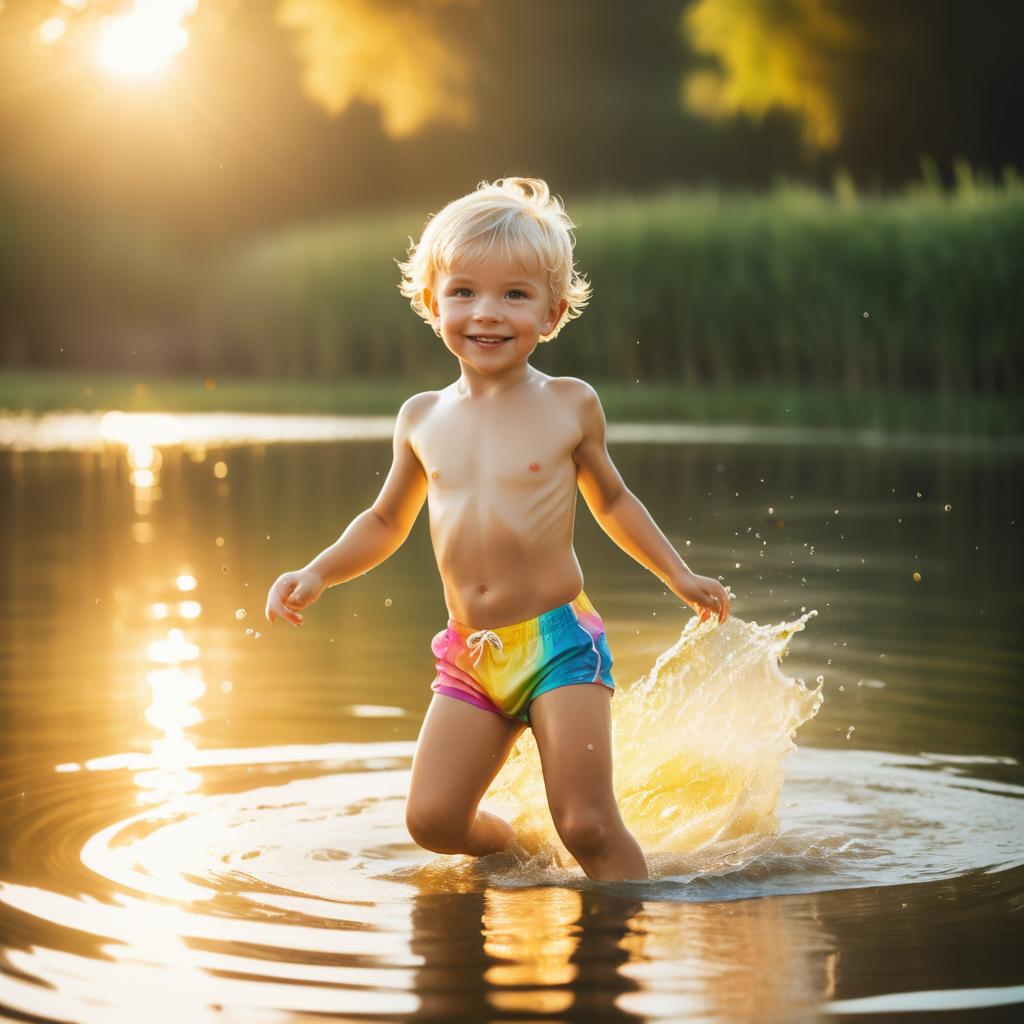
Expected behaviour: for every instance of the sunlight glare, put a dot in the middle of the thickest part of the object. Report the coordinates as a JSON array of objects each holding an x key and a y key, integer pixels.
[
  {"x": 51, "y": 30},
  {"x": 140, "y": 44}
]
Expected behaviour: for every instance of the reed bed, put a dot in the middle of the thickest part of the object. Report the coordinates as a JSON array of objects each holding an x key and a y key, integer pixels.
[{"x": 915, "y": 292}]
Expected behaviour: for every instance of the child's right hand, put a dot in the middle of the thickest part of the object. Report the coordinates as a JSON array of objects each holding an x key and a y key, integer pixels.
[{"x": 290, "y": 592}]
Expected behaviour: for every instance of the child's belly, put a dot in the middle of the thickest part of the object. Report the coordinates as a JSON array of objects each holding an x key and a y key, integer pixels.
[{"x": 506, "y": 561}]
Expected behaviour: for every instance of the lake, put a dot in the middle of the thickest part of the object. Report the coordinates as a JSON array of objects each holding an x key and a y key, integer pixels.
[{"x": 204, "y": 815}]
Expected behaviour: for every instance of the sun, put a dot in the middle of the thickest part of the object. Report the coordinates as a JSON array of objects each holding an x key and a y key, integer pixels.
[{"x": 140, "y": 44}]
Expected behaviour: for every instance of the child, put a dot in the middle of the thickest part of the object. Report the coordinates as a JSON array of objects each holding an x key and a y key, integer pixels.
[{"x": 498, "y": 455}]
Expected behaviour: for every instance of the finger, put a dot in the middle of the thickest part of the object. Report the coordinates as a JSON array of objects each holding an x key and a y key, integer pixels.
[{"x": 286, "y": 613}]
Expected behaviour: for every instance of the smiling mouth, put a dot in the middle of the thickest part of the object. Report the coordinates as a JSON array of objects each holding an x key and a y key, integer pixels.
[{"x": 486, "y": 342}]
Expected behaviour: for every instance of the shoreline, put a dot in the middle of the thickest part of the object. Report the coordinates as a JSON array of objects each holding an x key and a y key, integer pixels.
[{"x": 39, "y": 392}]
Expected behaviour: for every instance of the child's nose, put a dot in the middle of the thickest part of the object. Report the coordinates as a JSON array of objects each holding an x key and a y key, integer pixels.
[{"x": 485, "y": 309}]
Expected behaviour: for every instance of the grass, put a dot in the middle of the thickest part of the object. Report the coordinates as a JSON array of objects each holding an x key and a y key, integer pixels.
[
  {"x": 901, "y": 311},
  {"x": 38, "y": 392}
]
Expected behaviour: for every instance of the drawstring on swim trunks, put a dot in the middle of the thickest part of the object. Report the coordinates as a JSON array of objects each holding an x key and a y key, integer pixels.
[{"x": 476, "y": 641}]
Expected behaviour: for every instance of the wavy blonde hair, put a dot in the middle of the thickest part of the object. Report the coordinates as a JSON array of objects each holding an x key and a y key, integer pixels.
[{"x": 517, "y": 215}]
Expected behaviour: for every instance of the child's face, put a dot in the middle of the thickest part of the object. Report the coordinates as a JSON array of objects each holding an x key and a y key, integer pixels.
[{"x": 496, "y": 299}]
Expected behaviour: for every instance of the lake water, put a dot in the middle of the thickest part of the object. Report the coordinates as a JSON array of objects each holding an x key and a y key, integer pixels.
[{"x": 204, "y": 815}]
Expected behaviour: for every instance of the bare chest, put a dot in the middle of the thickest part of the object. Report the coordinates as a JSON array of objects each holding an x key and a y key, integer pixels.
[{"x": 512, "y": 452}]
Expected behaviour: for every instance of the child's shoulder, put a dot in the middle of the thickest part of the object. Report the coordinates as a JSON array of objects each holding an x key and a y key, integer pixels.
[
  {"x": 573, "y": 389},
  {"x": 415, "y": 408}
]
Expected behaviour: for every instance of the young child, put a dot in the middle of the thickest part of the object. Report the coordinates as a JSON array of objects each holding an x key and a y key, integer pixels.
[{"x": 498, "y": 455}]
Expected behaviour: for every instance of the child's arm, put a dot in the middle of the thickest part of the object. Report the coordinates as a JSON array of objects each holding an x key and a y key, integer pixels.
[
  {"x": 372, "y": 537},
  {"x": 624, "y": 518}
]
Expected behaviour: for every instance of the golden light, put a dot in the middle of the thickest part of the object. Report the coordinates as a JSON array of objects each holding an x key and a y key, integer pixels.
[
  {"x": 139, "y": 429},
  {"x": 51, "y": 30},
  {"x": 142, "y": 456},
  {"x": 172, "y": 650},
  {"x": 140, "y": 44}
]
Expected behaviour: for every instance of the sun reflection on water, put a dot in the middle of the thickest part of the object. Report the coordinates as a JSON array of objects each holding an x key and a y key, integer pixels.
[{"x": 174, "y": 690}]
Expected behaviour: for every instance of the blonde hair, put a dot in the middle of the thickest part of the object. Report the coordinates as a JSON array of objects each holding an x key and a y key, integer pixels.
[{"x": 520, "y": 216}]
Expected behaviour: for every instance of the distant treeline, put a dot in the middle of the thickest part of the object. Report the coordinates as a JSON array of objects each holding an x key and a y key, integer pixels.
[{"x": 919, "y": 291}]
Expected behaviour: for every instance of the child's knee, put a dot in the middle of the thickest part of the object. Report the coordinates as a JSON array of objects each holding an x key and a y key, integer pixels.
[
  {"x": 585, "y": 831},
  {"x": 436, "y": 828}
]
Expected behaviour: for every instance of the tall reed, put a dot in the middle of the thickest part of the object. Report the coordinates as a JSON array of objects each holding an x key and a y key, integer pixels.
[{"x": 916, "y": 291}]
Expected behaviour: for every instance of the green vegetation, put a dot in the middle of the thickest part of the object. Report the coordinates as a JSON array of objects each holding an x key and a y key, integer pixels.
[
  {"x": 756, "y": 404},
  {"x": 798, "y": 293}
]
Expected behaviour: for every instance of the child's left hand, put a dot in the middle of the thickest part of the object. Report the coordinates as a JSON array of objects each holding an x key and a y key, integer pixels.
[{"x": 704, "y": 595}]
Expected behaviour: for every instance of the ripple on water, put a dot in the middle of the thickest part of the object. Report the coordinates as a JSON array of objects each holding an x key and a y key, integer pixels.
[{"x": 234, "y": 895}]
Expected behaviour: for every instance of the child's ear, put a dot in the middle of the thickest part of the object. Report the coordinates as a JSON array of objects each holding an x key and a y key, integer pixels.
[
  {"x": 429, "y": 301},
  {"x": 554, "y": 316}
]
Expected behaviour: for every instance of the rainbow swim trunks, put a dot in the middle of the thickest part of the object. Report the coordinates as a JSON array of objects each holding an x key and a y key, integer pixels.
[{"x": 504, "y": 670}]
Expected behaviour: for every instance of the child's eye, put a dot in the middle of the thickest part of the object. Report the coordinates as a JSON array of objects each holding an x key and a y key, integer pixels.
[
  {"x": 456, "y": 291},
  {"x": 515, "y": 291}
]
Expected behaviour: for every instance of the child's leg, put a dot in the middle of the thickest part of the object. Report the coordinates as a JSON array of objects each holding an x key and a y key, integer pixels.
[
  {"x": 572, "y": 727},
  {"x": 460, "y": 749}
]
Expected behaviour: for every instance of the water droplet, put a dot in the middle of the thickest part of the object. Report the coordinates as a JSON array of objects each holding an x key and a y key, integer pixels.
[
  {"x": 240, "y": 614},
  {"x": 434, "y": 474},
  {"x": 917, "y": 577},
  {"x": 220, "y": 469},
  {"x": 866, "y": 314},
  {"x": 257, "y": 635},
  {"x": 223, "y": 568},
  {"x": 819, "y": 679},
  {"x": 387, "y": 602},
  {"x": 919, "y": 494},
  {"x": 249, "y": 632},
  {"x": 220, "y": 542},
  {"x": 849, "y": 732},
  {"x": 590, "y": 746},
  {"x": 948, "y": 508}
]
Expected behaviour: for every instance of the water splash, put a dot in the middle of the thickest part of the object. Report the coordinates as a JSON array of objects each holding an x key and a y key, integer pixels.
[{"x": 699, "y": 749}]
